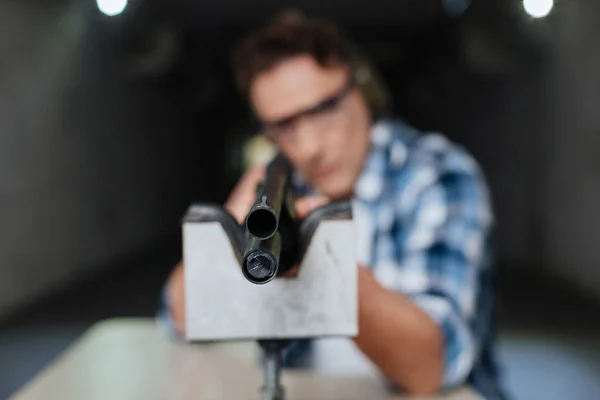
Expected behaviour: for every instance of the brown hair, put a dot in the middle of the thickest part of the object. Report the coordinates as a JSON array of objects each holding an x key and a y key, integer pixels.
[{"x": 290, "y": 34}]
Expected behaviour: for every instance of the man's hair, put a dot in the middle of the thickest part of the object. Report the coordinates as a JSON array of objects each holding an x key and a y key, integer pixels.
[{"x": 290, "y": 34}]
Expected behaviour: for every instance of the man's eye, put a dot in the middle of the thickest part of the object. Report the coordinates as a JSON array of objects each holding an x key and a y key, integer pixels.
[
  {"x": 326, "y": 106},
  {"x": 283, "y": 127}
]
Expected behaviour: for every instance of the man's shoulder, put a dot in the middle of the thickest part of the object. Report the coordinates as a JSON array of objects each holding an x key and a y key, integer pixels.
[{"x": 413, "y": 148}]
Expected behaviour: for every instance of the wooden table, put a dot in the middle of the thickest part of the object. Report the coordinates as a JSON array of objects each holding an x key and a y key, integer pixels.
[{"x": 132, "y": 359}]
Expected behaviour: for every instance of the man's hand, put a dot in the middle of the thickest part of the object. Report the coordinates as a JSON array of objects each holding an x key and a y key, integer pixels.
[
  {"x": 176, "y": 298},
  {"x": 305, "y": 205},
  {"x": 242, "y": 197}
]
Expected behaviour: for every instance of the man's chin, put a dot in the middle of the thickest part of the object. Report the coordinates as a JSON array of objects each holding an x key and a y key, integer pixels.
[{"x": 335, "y": 190}]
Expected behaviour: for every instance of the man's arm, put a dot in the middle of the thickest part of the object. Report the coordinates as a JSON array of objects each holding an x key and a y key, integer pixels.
[
  {"x": 402, "y": 340},
  {"x": 416, "y": 313},
  {"x": 175, "y": 300}
]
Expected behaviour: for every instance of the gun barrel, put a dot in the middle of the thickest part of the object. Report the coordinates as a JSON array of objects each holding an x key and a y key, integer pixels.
[
  {"x": 261, "y": 260},
  {"x": 262, "y": 221},
  {"x": 270, "y": 229}
]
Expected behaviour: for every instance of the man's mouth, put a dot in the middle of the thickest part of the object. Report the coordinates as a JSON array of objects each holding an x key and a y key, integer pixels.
[{"x": 324, "y": 172}]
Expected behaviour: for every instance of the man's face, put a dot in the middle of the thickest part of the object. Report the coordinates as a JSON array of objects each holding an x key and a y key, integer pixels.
[{"x": 319, "y": 121}]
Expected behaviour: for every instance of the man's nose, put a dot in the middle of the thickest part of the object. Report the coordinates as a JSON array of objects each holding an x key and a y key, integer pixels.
[{"x": 308, "y": 145}]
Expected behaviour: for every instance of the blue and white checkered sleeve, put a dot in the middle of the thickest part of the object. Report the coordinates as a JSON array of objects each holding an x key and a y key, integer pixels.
[{"x": 446, "y": 215}]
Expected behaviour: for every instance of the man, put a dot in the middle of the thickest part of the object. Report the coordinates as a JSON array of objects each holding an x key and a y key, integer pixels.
[{"x": 425, "y": 295}]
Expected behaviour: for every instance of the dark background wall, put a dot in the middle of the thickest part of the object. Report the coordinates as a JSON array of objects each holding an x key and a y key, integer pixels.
[
  {"x": 572, "y": 195},
  {"x": 105, "y": 124},
  {"x": 95, "y": 166}
]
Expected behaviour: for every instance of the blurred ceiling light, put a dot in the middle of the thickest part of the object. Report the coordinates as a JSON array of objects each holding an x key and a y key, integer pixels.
[
  {"x": 538, "y": 8},
  {"x": 111, "y": 7}
]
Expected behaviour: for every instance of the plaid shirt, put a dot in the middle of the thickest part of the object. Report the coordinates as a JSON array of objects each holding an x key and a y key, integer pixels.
[{"x": 424, "y": 224}]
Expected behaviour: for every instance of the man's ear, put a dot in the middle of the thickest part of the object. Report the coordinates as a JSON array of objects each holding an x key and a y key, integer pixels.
[
  {"x": 371, "y": 86},
  {"x": 370, "y": 82},
  {"x": 362, "y": 76}
]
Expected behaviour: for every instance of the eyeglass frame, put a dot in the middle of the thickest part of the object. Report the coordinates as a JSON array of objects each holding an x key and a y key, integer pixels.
[{"x": 327, "y": 104}]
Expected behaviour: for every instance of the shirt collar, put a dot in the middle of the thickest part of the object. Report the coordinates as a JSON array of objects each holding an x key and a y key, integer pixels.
[{"x": 369, "y": 185}]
